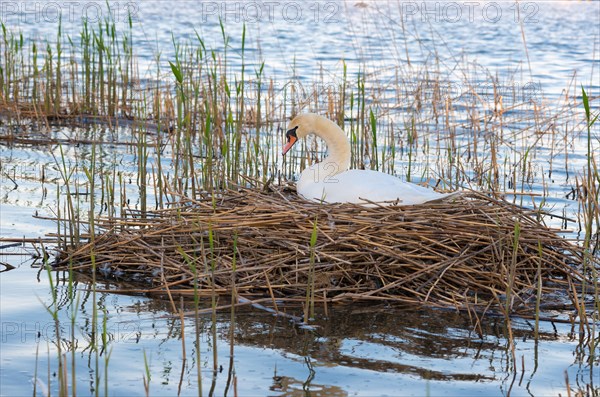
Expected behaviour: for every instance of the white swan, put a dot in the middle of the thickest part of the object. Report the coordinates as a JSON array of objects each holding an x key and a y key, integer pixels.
[{"x": 331, "y": 181}]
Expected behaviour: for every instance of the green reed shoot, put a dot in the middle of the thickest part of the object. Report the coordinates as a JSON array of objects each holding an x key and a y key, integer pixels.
[
  {"x": 105, "y": 350},
  {"x": 213, "y": 295},
  {"x": 361, "y": 99},
  {"x": 73, "y": 316},
  {"x": 142, "y": 174},
  {"x": 73, "y": 217},
  {"x": 259, "y": 76},
  {"x": 240, "y": 111},
  {"x": 230, "y": 372},
  {"x": 309, "y": 304},
  {"x": 90, "y": 173},
  {"x": 410, "y": 133},
  {"x": 58, "y": 79},
  {"x": 593, "y": 194},
  {"x": 53, "y": 309},
  {"x": 86, "y": 53},
  {"x": 194, "y": 268},
  {"x": 35, "y": 370},
  {"x": 147, "y": 377},
  {"x": 374, "y": 157}
]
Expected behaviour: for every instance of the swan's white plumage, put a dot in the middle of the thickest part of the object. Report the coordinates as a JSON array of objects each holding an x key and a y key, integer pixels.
[
  {"x": 331, "y": 181},
  {"x": 353, "y": 186}
]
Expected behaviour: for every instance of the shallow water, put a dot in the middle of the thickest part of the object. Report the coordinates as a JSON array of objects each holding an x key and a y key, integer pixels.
[{"x": 358, "y": 350}]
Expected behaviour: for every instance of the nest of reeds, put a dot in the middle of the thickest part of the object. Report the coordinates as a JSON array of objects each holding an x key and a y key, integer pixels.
[{"x": 472, "y": 253}]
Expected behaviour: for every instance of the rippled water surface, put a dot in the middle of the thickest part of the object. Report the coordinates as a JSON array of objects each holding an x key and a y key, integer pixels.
[{"x": 537, "y": 52}]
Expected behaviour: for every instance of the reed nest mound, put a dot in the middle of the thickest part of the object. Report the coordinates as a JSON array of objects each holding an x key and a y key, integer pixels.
[{"x": 470, "y": 253}]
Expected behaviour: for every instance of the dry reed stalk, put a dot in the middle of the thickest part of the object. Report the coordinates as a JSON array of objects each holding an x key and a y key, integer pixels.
[{"x": 459, "y": 254}]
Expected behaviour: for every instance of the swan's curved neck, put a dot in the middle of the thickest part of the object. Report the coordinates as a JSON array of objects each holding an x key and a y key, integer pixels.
[{"x": 338, "y": 145}]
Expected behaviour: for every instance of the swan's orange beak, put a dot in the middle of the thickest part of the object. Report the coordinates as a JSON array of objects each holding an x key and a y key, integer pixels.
[{"x": 291, "y": 140}]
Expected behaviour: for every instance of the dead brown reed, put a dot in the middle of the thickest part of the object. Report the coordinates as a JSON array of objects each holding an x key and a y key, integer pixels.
[{"x": 474, "y": 253}]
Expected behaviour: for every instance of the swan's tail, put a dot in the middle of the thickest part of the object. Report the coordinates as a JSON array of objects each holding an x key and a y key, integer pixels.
[{"x": 444, "y": 197}]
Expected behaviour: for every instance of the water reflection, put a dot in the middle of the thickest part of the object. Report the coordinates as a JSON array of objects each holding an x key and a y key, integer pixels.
[{"x": 364, "y": 349}]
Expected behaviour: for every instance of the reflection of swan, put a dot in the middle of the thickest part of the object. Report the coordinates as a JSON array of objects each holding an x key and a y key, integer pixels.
[{"x": 332, "y": 181}]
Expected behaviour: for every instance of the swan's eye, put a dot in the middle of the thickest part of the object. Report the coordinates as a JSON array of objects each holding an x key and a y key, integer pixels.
[
  {"x": 292, "y": 138},
  {"x": 291, "y": 133}
]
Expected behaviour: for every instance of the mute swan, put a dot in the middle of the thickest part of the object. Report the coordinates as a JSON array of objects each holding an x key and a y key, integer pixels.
[{"x": 331, "y": 180}]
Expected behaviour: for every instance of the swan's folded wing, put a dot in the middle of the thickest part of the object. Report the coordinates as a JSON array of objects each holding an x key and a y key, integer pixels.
[{"x": 363, "y": 186}]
